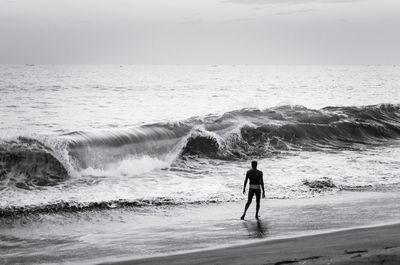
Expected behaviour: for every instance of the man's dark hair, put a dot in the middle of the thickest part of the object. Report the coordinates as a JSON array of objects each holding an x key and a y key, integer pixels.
[{"x": 253, "y": 164}]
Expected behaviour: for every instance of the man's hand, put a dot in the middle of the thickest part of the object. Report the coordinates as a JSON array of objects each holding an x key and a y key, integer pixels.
[
  {"x": 263, "y": 194},
  {"x": 244, "y": 191}
]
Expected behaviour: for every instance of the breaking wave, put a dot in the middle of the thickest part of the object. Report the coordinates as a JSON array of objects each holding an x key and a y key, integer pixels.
[
  {"x": 27, "y": 163},
  {"x": 241, "y": 134},
  {"x": 37, "y": 163}
]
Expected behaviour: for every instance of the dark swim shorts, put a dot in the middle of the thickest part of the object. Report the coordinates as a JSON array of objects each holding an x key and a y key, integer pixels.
[{"x": 257, "y": 192}]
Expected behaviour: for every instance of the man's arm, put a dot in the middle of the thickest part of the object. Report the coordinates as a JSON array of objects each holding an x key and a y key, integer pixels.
[
  {"x": 262, "y": 185},
  {"x": 245, "y": 183}
]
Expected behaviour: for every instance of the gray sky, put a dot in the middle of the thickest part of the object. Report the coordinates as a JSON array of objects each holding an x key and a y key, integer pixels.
[{"x": 200, "y": 31}]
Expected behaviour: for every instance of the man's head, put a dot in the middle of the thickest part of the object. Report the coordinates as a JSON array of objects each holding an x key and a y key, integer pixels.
[{"x": 254, "y": 164}]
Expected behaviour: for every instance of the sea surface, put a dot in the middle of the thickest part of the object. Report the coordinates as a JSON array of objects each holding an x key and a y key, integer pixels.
[{"x": 106, "y": 161}]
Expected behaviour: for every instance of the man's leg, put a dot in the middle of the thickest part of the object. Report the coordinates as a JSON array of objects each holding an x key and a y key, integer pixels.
[
  {"x": 249, "y": 199},
  {"x": 258, "y": 197}
]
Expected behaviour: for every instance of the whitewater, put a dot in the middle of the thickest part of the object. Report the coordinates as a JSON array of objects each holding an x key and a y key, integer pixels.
[{"x": 84, "y": 141}]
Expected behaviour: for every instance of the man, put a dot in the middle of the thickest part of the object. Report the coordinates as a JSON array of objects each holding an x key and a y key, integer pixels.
[{"x": 255, "y": 177}]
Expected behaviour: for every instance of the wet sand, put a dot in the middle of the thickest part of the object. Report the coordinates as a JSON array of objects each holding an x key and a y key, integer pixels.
[
  {"x": 372, "y": 245},
  {"x": 137, "y": 234}
]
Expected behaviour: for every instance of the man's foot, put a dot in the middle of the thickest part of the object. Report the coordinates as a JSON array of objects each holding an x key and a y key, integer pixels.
[
  {"x": 257, "y": 217},
  {"x": 242, "y": 217}
]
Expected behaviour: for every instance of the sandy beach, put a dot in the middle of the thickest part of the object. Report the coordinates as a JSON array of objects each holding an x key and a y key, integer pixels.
[{"x": 372, "y": 245}]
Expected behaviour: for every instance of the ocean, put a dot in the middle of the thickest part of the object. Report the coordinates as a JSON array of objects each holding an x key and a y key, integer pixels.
[{"x": 112, "y": 161}]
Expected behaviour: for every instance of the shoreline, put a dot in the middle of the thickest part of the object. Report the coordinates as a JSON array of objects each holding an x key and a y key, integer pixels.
[
  {"x": 357, "y": 245},
  {"x": 154, "y": 234}
]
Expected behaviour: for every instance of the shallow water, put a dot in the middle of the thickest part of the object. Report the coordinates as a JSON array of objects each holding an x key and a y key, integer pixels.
[{"x": 113, "y": 234}]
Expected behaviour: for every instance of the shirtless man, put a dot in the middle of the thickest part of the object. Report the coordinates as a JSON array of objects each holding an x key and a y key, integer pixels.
[{"x": 256, "y": 180}]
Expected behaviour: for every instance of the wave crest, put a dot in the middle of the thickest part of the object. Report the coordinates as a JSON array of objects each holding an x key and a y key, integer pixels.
[
  {"x": 240, "y": 134},
  {"x": 27, "y": 163},
  {"x": 299, "y": 128}
]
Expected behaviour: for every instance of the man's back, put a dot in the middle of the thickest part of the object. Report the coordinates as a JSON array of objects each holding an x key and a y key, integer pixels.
[{"x": 254, "y": 176}]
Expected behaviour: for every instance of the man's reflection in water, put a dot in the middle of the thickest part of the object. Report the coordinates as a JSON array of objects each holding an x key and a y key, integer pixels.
[{"x": 257, "y": 229}]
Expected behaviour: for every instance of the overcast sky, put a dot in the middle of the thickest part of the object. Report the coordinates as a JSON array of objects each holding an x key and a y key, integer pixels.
[{"x": 200, "y": 31}]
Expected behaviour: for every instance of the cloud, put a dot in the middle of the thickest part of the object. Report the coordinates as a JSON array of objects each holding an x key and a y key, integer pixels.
[
  {"x": 295, "y": 12},
  {"x": 192, "y": 21},
  {"x": 268, "y": 2}
]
